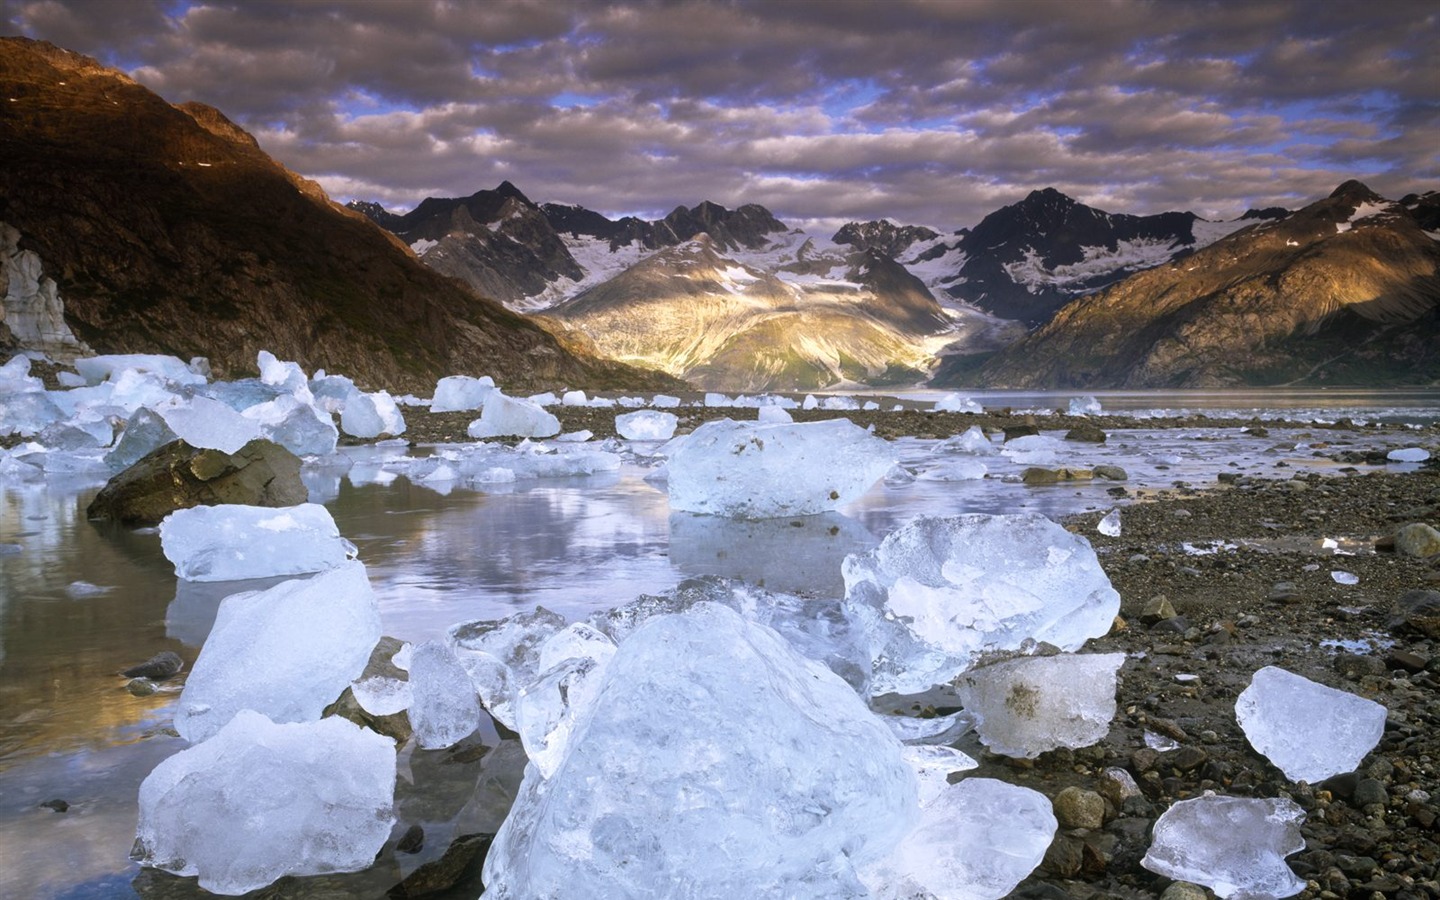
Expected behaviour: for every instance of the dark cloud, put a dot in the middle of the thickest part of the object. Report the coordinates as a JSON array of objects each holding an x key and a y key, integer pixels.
[{"x": 933, "y": 111}]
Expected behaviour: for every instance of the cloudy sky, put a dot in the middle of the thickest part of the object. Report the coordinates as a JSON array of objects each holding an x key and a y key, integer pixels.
[{"x": 927, "y": 111}]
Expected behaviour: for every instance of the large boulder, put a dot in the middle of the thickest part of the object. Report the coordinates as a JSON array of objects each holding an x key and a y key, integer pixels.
[{"x": 179, "y": 476}]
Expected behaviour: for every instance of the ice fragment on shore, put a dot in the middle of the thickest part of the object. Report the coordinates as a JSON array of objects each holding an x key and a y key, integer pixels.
[
  {"x": 371, "y": 415},
  {"x": 296, "y": 425},
  {"x": 230, "y": 542},
  {"x": 939, "y": 591},
  {"x": 286, "y": 377},
  {"x": 287, "y": 652},
  {"x": 646, "y": 425},
  {"x": 503, "y": 655},
  {"x": 1110, "y": 524},
  {"x": 764, "y": 776},
  {"x": 1342, "y": 577},
  {"x": 1085, "y": 406},
  {"x": 95, "y": 369},
  {"x": 458, "y": 392},
  {"x": 1024, "y": 707},
  {"x": 757, "y": 471},
  {"x": 975, "y": 841},
  {"x": 957, "y": 403},
  {"x": 444, "y": 708},
  {"x": 1308, "y": 730},
  {"x": 915, "y": 731},
  {"x": 972, "y": 441},
  {"x": 209, "y": 424},
  {"x": 261, "y": 800},
  {"x": 512, "y": 417},
  {"x": 1235, "y": 846},
  {"x": 933, "y": 767},
  {"x": 1408, "y": 454}
]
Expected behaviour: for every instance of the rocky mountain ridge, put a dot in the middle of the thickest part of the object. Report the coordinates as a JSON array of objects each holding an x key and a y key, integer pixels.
[
  {"x": 166, "y": 229},
  {"x": 1343, "y": 291}
]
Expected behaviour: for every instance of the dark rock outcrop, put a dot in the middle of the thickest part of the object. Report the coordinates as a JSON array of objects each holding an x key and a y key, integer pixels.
[{"x": 178, "y": 476}]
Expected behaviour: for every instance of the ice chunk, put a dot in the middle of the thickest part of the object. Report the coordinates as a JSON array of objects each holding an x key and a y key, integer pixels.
[
  {"x": 773, "y": 415},
  {"x": 1024, "y": 707},
  {"x": 1033, "y": 450},
  {"x": 287, "y": 652},
  {"x": 840, "y": 403},
  {"x": 209, "y": 424},
  {"x": 546, "y": 709},
  {"x": 1235, "y": 846},
  {"x": 957, "y": 403},
  {"x": 295, "y": 425},
  {"x": 95, "y": 369},
  {"x": 1110, "y": 524},
  {"x": 444, "y": 709},
  {"x": 1342, "y": 577},
  {"x": 28, "y": 413},
  {"x": 933, "y": 767},
  {"x": 976, "y": 841},
  {"x": 1084, "y": 406},
  {"x": 972, "y": 441},
  {"x": 285, "y": 377},
  {"x": 510, "y": 416},
  {"x": 754, "y": 471},
  {"x": 84, "y": 432},
  {"x": 381, "y": 695},
  {"x": 1408, "y": 454},
  {"x": 763, "y": 775},
  {"x": 503, "y": 656},
  {"x": 261, "y": 800},
  {"x": 646, "y": 425},
  {"x": 331, "y": 392},
  {"x": 914, "y": 731},
  {"x": 457, "y": 392},
  {"x": 371, "y": 415},
  {"x": 229, "y": 541},
  {"x": 1308, "y": 730},
  {"x": 573, "y": 398},
  {"x": 578, "y": 640},
  {"x": 955, "y": 470},
  {"x": 15, "y": 377},
  {"x": 143, "y": 432},
  {"x": 664, "y": 401},
  {"x": 939, "y": 591}
]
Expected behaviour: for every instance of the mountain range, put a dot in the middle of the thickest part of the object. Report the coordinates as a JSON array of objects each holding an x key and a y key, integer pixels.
[{"x": 128, "y": 224}]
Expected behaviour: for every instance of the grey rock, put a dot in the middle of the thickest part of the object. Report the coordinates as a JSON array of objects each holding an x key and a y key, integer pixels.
[
  {"x": 1417, "y": 539},
  {"x": 1076, "y": 807},
  {"x": 158, "y": 667},
  {"x": 1111, "y": 473},
  {"x": 178, "y": 476},
  {"x": 1087, "y": 432},
  {"x": 1368, "y": 791}
]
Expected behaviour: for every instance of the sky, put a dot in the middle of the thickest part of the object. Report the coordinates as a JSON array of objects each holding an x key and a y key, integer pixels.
[{"x": 931, "y": 112}]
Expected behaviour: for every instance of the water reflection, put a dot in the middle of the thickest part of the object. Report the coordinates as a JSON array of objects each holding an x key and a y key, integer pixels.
[{"x": 793, "y": 555}]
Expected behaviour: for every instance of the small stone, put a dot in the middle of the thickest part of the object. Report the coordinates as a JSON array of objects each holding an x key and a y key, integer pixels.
[
  {"x": 1283, "y": 592},
  {"x": 1174, "y": 625},
  {"x": 1065, "y": 856},
  {"x": 1418, "y": 540},
  {"x": 1086, "y": 432},
  {"x": 55, "y": 805},
  {"x": 1076, "y": 807},
  {"x": 1018, "y": 431},
  {"x": 1117, "y": 786},
  {"x": 412, "y": 841},
  {"x": 1157, "y": 609},
  {"x": 1419, "y": 610},
  {"x": 1038, "y": 475},
  {"x": 1112, "y": 473},
  {"x": 141, "y": 687},
  {"x": 1404, "y": 659},
  {"x": 158, "y": 667},
  {"x": 442, "y": 873},
  {"x": 1368, "y": 791},
  {"x": 1187, "y": 759},
  {"x": 1184, "y": 890}
]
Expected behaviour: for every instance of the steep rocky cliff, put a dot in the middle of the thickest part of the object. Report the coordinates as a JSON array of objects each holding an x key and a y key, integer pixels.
[{"x": 166, "y": 229}]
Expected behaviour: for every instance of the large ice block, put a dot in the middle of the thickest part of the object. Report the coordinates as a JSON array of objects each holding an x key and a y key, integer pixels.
[
  {"x": 939, "y": 591},
  {"x": 285, "y": 377},
  {"x": 261, "y": 800},
  {"x": 1026, "y": 706},
  {"x": 757, "y": 471},
  {"x": 287, "y": 652},
  {"x": 457, "y": 392},
  {"x": 502, "y": 656},
  {"x": 296, "y": 425},
  {"x": 229, "y": 542},
  {"x": 976, "y": 840},
  {"x": 95, "y": 369},
  {"x": 444, "y": 708},
  {"x": 505, "y": 416},
  {"x": 646, "y": 425},
  {"x": 144, "y": 431},
  {"x": 371, "y": 415},
  {"x": 1307, "y": 729},
  {"x": 209, "y": 424},
  {"x": 713, "y": 762},
  {"x": 1236, "y": 846}
]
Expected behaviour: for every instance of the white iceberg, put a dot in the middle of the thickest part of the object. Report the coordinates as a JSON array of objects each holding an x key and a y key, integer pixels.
[
  {"x": 757, "y": 471},
  {"x": 287, "y": 652},
  {"x": 459, "y": 392},
  {"x": 1308, "y": 730},
  {"x": 261, "y": 800},
  {"x": 512, "y": 417},
  {"x": 229, "y": 542},
  {"x": 646, "y": 425}
]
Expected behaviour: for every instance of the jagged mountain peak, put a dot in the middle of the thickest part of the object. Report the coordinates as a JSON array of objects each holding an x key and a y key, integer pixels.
[
  {"x": 885, "y": 235},
  {"x": 1355, "y": 191}
]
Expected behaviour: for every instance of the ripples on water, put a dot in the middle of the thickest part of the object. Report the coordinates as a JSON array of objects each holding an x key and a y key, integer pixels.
[{"x": 80, "y": 600}]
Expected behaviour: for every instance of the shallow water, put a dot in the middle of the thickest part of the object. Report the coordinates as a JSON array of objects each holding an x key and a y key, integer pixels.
[{"x": 79, "y": 601}]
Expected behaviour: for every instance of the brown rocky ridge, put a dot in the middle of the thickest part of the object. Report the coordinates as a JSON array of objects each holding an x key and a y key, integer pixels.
[{"x": 168, "y": 230}]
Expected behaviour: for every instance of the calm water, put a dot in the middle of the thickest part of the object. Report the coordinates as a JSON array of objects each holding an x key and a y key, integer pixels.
[{"x": 79, "y": 601}]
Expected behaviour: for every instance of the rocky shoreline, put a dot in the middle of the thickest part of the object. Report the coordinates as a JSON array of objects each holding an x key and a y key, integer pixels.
[{"x": 1216, "y": 584}]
